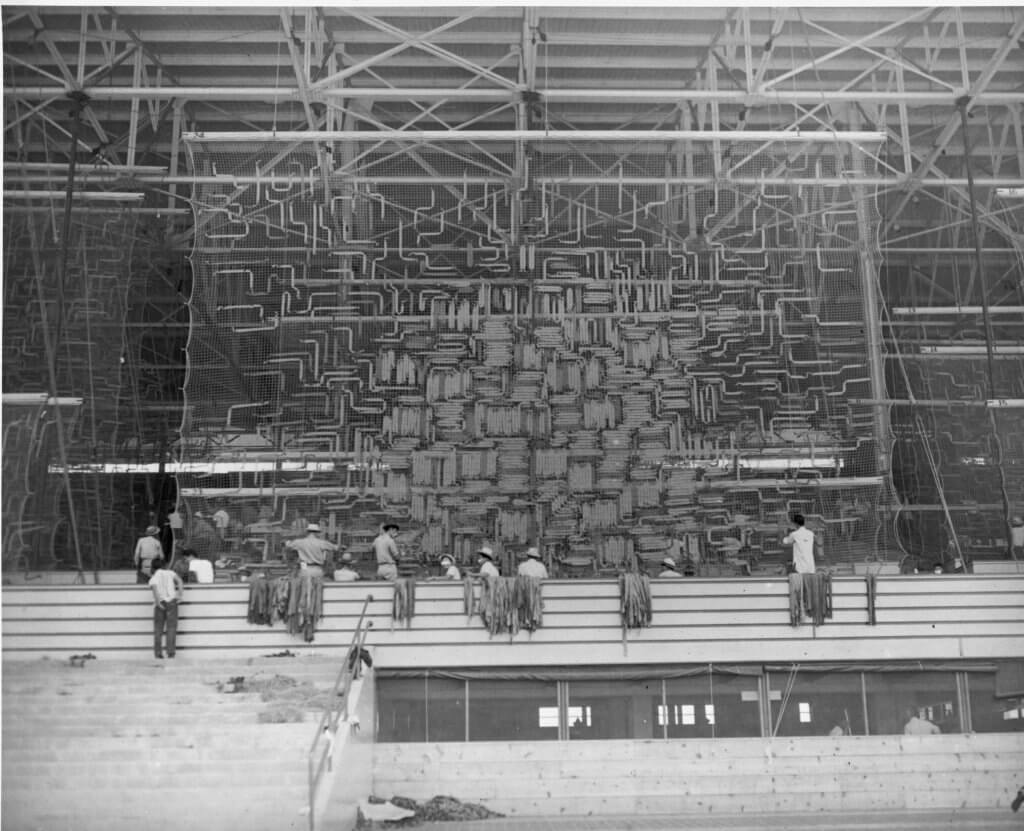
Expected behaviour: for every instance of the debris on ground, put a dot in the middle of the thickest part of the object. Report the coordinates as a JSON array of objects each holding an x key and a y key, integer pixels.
[
  {"x": 79, "y": 660},
  {"x": 437, "y": 809},
  {"x": 288, "y": 700}
]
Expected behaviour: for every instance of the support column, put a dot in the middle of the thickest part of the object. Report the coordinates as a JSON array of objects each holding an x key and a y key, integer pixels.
[{"x": 872, "y": 318}]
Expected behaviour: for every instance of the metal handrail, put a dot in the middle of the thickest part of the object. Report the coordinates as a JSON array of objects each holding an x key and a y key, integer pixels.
[{"x": 335, "y": 711}]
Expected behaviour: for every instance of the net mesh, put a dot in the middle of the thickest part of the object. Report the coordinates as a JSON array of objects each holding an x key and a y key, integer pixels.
[
  {"x": 958, "y": 454},
  {"x": 606, "y": 356},
  {"x": 73, "y": 314}
]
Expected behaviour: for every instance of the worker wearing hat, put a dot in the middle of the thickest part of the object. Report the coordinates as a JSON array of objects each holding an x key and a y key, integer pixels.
[
  {"x": 533, "y": 566},
  {"x": 670, "y": 569},
  {"x": 451, "y": 571},
  {"x": 147, "y": 549},
  {"x": 312, "y": 550},
  {"x": 344, "y": 573},
  {"x": 485, "y": 559}
]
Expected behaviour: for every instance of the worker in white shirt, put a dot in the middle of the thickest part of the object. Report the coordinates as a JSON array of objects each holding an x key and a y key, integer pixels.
[
  {"x": 532, "y": 565},
  {"x": 147, "y": 549},
  {"x": 199, "y": 570},
  {"x": 344, "y": 573},
  {"x": 802, "y": 540},
  {"x": 485, "y": 559},
  {"x": 451, "y": 571}
]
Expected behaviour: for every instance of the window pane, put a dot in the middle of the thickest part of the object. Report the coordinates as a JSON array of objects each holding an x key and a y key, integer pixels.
[
  {"x": 401, "y": 710},
  {"x": 988, "y": 713},
  {"x": 713, "y": 706},
  {"x": 614, "y": 709},
  {"x": 894, "y": 696},
  {"x": 511, "y": 710},
  {"x": 815, "y": 703},
  {"x": 446, "y": 710}
]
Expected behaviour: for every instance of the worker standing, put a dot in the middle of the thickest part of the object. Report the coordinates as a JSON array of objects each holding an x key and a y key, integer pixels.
[
  {"x": 313, "y": 550},
  {"x": 147, "y": 549},
  {"x": 385, "y": 549}
]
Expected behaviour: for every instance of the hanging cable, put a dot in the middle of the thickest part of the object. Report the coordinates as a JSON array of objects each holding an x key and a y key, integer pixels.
[{"x": 987, "y": 321}]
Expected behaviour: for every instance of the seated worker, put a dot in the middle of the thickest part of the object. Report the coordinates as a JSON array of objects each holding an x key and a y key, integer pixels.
[
  {"x": 670, "y": 569},
  {"x": 344, "y": 573},
  {"x": 451, "y": 571},
  {"x": 199, "y": 570},
  {"x": 917, "y": 726},
  {"x": 485, "y": 559},
  {"x": 312, "y": 550},
  {"x": 532, "y": 565}
]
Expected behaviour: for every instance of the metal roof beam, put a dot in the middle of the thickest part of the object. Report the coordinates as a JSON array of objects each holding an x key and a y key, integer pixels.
[{"x": 912, "y": 98}]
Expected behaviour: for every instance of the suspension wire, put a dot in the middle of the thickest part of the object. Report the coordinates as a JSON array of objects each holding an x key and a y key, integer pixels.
[
  {"x": 51, "y": 368},
  {"x": 987, "y": 320},
  {"x": 790, "y": 683}
]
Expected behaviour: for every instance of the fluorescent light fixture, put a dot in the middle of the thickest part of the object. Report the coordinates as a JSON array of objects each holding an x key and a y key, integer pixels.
[
  {"x": 778, "y": 463},
  {"x": 803, "y": 136},
  {"x": 208, "y": 468},
  {"x": 972, "y": 350}
]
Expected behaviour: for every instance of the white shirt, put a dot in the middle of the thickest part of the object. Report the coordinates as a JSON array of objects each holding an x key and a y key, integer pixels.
[
  {"x": 202, "y": 569},
  {"x": 489, "y": 569},
  {"x": 802, "y": 541},
  {"x": 1017, "y": 536},
  {"x": 146, "y": 549},
  {"x": 312, "y": 550},
  {"x": 533, "y": 568},
  {"x": 221, "y": 520},
  {"x": 345, "y": 574},
  {"x": 920, "y": 727},
  {"x": 176, "y": 521},
  {"x": 166, "y": 586},
  {"x": 453, "y": 573}
]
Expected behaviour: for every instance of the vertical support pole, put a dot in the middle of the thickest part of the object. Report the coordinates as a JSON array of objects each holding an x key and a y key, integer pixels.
[
  {"x": 872, "y": 318},
  {"x": 133, "y": 120},
  {"x": 175, "y": 150},
  {"x": 987, "y": 321}
]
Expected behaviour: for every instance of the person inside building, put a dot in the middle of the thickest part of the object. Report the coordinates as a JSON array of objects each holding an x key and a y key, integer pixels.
[
  {"x": 669, "y": 570},
  {"x": 385, "y": 549},
  {"x": 167, "y": 589},
  {"x": 449, "y": 570},
  {"x": 344, "y": 573},
  {"x": 485, "y": 559},
  {"x": 532, "y": 566},
  {"x": 203, "y": 537},
  {"x": 221, "y": 523},
  {"x": 147, "y": 550},
  {"x": 198, "y": 569},
  {"x": 313, "y": 550},
  {"x": 917, "y": 726},
  {"x": 1017, "y": 537}
]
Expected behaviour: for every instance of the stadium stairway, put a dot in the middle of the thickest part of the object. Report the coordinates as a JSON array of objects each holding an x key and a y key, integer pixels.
[{"x": 120, "y": 745}]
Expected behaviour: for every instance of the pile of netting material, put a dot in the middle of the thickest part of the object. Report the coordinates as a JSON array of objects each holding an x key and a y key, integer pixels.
[
  {"x": 437, "y": 809},
  {"x": 287, "y": 699}
]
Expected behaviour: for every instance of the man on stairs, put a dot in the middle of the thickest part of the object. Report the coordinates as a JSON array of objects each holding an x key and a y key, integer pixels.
[{"x": 167, "y": 589}]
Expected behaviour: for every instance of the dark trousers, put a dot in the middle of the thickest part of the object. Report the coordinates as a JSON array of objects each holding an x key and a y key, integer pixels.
[{"x": 165, "y": 616}]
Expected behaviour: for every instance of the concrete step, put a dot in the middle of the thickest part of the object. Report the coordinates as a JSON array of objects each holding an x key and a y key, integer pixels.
[
  {"x": 120, "y": 746},
  {"x": 216, "y": 774},
  {"x": 210, "y": 739}
]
